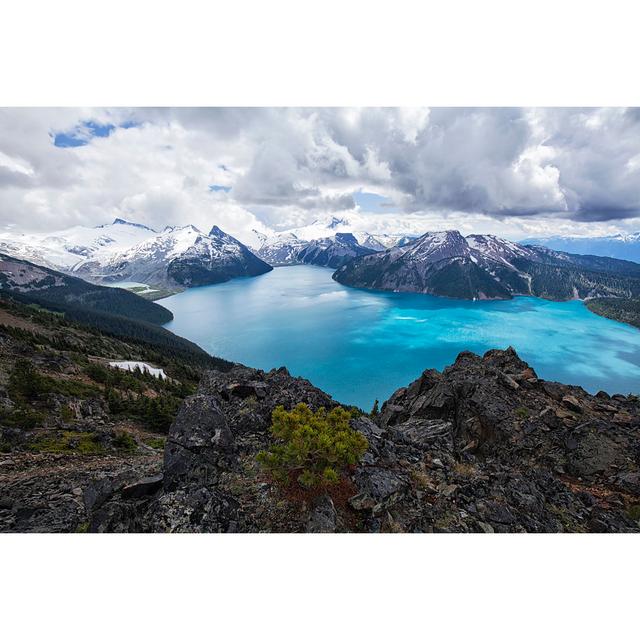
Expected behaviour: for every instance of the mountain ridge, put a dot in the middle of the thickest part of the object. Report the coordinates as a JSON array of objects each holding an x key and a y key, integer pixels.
[
  {"x": 486, "y": 267},
  {"x": 129, "y": 251}
]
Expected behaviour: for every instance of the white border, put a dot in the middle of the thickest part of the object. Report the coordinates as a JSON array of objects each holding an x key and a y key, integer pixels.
[
  {"x": 329, "y": 53},
  {"x": 288, "y": 586},
  {"x": 543, "y": 52}
]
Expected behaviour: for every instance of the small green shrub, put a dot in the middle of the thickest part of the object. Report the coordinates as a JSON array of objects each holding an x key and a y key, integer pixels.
[
  {"x": 634, "y": 512},
  {"x": 97, "y": 373},
  {"x": 522, "y": 412},
  {"x": 124, "y": 441},
  {"x": 312, "y": 448}
]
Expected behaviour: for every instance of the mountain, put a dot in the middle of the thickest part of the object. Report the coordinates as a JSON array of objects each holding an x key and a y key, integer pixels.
[
  {"x": 621, "y": 246},
  {"x": 182, "y": 256},
  {"x": 328, "y": 226},
  {"x": 67, "y": 249},
  {"x": 486, "y": 267},
  {"x": 26, "y": 281},
  {"x": 280, "y": 249},
  {"x": 215, "y": 258},
  {"x": 333, "y": 251},
  {"x": 126, "y": 251}
]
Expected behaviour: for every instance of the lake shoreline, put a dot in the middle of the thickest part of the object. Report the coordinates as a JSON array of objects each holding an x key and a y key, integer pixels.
[{"x": 360, "y": 345}]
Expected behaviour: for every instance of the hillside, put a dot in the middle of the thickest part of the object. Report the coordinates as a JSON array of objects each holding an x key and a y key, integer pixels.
[
  {"x": 68, "y": 420},
  {"x": 29, "y": 282},
  {"x": 617, "y": 309}
]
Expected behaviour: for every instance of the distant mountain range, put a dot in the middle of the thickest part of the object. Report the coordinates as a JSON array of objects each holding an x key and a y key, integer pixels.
[
  {"x": 328, "y": 226},
  {"x": 334, "y": 251},
  {"x": 446, "y": 263},
  {"x": 326, "y": 242},
  {"x": 621, "y": 246},
  {"x": 441, "y": 263},
  {"x": 126, "y": 251}
]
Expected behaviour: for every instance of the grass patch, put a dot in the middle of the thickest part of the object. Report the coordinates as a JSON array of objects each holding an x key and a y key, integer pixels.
[
  {"x": 80, "y": 442},
  {"x": 155, "y": 443}
]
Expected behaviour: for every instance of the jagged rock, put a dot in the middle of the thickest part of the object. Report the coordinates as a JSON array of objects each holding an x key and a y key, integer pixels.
[
  {"x": 323, "y": 516},
  {"x": 461, "y": 450},
  {"x": 629, "y": 481},
  {"x": 198, "y": 441},
  {"x": 572, "y": 403},
  {"x": 144, "y": 487},
  {"x": 422, "y": 433}
]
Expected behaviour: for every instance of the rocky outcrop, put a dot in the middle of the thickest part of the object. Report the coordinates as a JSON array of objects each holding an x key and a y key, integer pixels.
[{"x": 484, "y": 446}]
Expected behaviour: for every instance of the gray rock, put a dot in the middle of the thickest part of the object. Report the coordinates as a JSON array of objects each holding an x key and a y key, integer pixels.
[
  {"x": 323, "y": 516},
  {"x": 142, "y": 488},
  {"x": 198, "y": 441}
]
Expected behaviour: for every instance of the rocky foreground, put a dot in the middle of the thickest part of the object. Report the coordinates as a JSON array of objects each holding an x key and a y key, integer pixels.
[{"x": 485, "y": 446}]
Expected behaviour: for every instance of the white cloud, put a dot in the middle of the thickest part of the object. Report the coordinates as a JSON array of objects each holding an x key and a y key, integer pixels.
[{"x": 516, "y": 172}]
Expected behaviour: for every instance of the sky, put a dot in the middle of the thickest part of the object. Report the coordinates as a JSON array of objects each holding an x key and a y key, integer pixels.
[{"x": 516, "y": 172}]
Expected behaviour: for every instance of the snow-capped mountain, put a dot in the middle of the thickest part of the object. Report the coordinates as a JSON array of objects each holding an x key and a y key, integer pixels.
[
  {"x": 485, "y": 267},
  {"x": 332, "y": 251},
  {"x": 66, "y": 249},
  {"x": 624, "y": 246},
  {"x": 216, "y": 257},
  {"x": 357, "y": 225},
  {"x": 124, "y": 251},
  {"x": 281, "y": 249}
]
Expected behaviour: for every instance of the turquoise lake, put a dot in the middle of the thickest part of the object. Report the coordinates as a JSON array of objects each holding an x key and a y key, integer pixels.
[{"x": 361, "y": 345}]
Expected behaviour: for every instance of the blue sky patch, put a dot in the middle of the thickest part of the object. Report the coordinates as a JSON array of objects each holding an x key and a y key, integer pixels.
[
  {"x": 373, "y": 203},
  {"x": 83, "y": 133},
  {"x": 219, "y": 187}
]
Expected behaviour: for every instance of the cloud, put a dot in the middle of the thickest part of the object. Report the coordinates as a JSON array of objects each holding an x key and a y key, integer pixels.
[{"x": 257, "y": 168}]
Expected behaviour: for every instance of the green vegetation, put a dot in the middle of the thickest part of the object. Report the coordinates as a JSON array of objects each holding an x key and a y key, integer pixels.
[
  {"x": 312, "y": 448},
  {"x": 376, "y": 410},
  {"x": 26, "y": 384},
  {"x": 522, "y": 412},
  {"x": 620, "y": 309},
  {"x": 80, "y": 442},
  {"x": 155, "y": 443},
  {"x": 125, "y": 441},
  {"x": 61, "y": 372},
  {"x": 54, "y": 288},
  {"x": 66, "y": 413}
]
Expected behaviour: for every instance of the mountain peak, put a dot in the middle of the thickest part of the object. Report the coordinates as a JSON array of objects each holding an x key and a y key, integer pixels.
[{"x": 128, "y": 223}]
